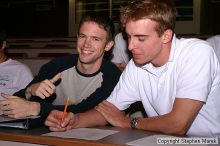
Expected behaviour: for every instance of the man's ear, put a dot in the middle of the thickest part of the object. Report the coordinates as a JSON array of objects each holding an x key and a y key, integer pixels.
[
  {"x": 167, "y": 36},
  {"x": 109, "y": 45}
]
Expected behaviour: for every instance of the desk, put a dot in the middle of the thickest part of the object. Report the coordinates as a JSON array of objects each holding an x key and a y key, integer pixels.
[{"x": 33, "y": 136}]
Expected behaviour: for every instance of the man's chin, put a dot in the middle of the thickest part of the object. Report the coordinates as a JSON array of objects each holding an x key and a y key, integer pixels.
[
  {"x": 139, "y": 64},
  {"x": 85, "y": 61}
]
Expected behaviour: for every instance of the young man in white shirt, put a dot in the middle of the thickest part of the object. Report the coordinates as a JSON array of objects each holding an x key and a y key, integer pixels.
[
  {"x": 14, "y": 75},
  {"x": 120, "y": 52},
  {"x": 177, "y": 80}
]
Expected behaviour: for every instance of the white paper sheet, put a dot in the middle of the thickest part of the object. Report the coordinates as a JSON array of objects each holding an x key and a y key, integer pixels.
[{"x": 83, "y": 133}]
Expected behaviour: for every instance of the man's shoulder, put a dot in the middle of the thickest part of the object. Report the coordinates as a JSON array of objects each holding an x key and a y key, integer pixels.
[
  {"x": 59, "y": 64},
  {"x": 16, "y": 64},
  {"x": 192, "y": 45},
  {"x": 13, "y": 62},
  {"x": 193, "y": 49},
  {"x": 191, "y": 41},
  {"x": 214, "y": 38},
  {"x": 63, "y": 60},
  {"x": 109, "y": 67}
]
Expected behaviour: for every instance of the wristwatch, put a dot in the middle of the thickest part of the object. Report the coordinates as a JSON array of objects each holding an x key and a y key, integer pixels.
[{"x": 133, "y": 122}]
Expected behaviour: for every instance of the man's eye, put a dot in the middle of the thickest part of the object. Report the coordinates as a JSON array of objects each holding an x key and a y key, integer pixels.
[
  {"x": 96, "y": 39},
  {"x": 141, "y": 39},
  {"x": 81, "y": 36}
]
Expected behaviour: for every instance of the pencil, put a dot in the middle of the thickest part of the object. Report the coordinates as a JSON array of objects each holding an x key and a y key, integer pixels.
[{"x": 64, "y": 111}]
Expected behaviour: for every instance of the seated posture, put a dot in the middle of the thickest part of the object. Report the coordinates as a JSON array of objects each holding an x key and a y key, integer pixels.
[
  {"x": 120, "y": 52},
  {"x": 14, "y": 75},
  {"x": 177, "y": 80},
  {"x": 86, "y": 78},
  {"x": 214, "y": 41}
]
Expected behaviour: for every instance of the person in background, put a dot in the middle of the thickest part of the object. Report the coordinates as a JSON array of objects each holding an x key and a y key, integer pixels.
[
  {"x": 177, "y": 80},
  {"x": 14, "y": 75},
  {"x": 120, "y": 52},
  {"x": 214, "y": 41},
  {"x": 86, "y": 78},
  {"x": 121, "y": 56}
]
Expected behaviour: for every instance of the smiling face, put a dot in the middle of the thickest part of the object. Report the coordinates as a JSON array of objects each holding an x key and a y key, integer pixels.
[
  {"x": 92, "y": 43},
  {"x": 145, "y": 44}
]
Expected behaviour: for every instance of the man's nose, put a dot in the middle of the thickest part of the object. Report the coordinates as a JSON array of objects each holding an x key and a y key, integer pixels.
[
  {"x": 87, "y": 42},
  {"x": 130, "y": 44}
]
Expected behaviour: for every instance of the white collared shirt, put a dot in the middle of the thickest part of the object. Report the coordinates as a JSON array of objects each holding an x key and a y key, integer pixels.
[{"x": 192, "y": 72}]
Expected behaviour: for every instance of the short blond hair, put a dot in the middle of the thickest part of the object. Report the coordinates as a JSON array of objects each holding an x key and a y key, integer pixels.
[{"x": 161, "y": 11}]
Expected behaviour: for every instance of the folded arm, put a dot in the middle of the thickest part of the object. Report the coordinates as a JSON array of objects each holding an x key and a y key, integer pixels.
[
  {"x": 17, "y": 107},
  {"x": 177, "y": 122}
]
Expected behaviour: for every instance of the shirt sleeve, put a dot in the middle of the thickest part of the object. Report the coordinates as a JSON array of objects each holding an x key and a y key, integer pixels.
[{"x": 197, "y": 73}]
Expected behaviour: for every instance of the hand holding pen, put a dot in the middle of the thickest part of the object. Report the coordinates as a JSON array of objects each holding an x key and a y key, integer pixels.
[
  {"x": 64, "y": 111},
  {"x": 54, "y": 121},
  {"x": 61, "y": 120}
]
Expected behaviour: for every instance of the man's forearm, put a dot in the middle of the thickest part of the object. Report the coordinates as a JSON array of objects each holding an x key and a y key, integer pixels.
[
  {"x": 90, "y": 118},
  {"x": 34, "y": 108},
  {"x": 169, "y": 124}
]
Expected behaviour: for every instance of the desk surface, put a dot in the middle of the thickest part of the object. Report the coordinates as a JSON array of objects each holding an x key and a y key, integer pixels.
[{"x": 33, "y": 136}]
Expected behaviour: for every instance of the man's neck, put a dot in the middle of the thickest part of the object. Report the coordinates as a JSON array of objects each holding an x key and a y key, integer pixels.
[
  {"x": 88, "y": 68},
  {"x": 163, "y": 57}
]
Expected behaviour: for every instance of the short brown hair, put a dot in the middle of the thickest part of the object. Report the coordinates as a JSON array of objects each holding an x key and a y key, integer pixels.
[
  {"x": 161, "y": 11},
  {"x": 103, "y": 21}
]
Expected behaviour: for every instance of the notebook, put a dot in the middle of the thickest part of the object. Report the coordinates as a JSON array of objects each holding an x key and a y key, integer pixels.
[{"x": 22, "y": 123}]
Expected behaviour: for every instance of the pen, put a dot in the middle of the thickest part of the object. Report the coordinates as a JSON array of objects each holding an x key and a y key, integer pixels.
[{"x": 64, "y": 111}]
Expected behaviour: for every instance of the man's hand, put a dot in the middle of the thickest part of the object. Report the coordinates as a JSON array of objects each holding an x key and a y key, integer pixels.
[
  {"x": 17, "y": 107},
  {"x": 114, "y": 116},
  {"x": 45, "y": 88},
  {"x": 54, "y": 121}
]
